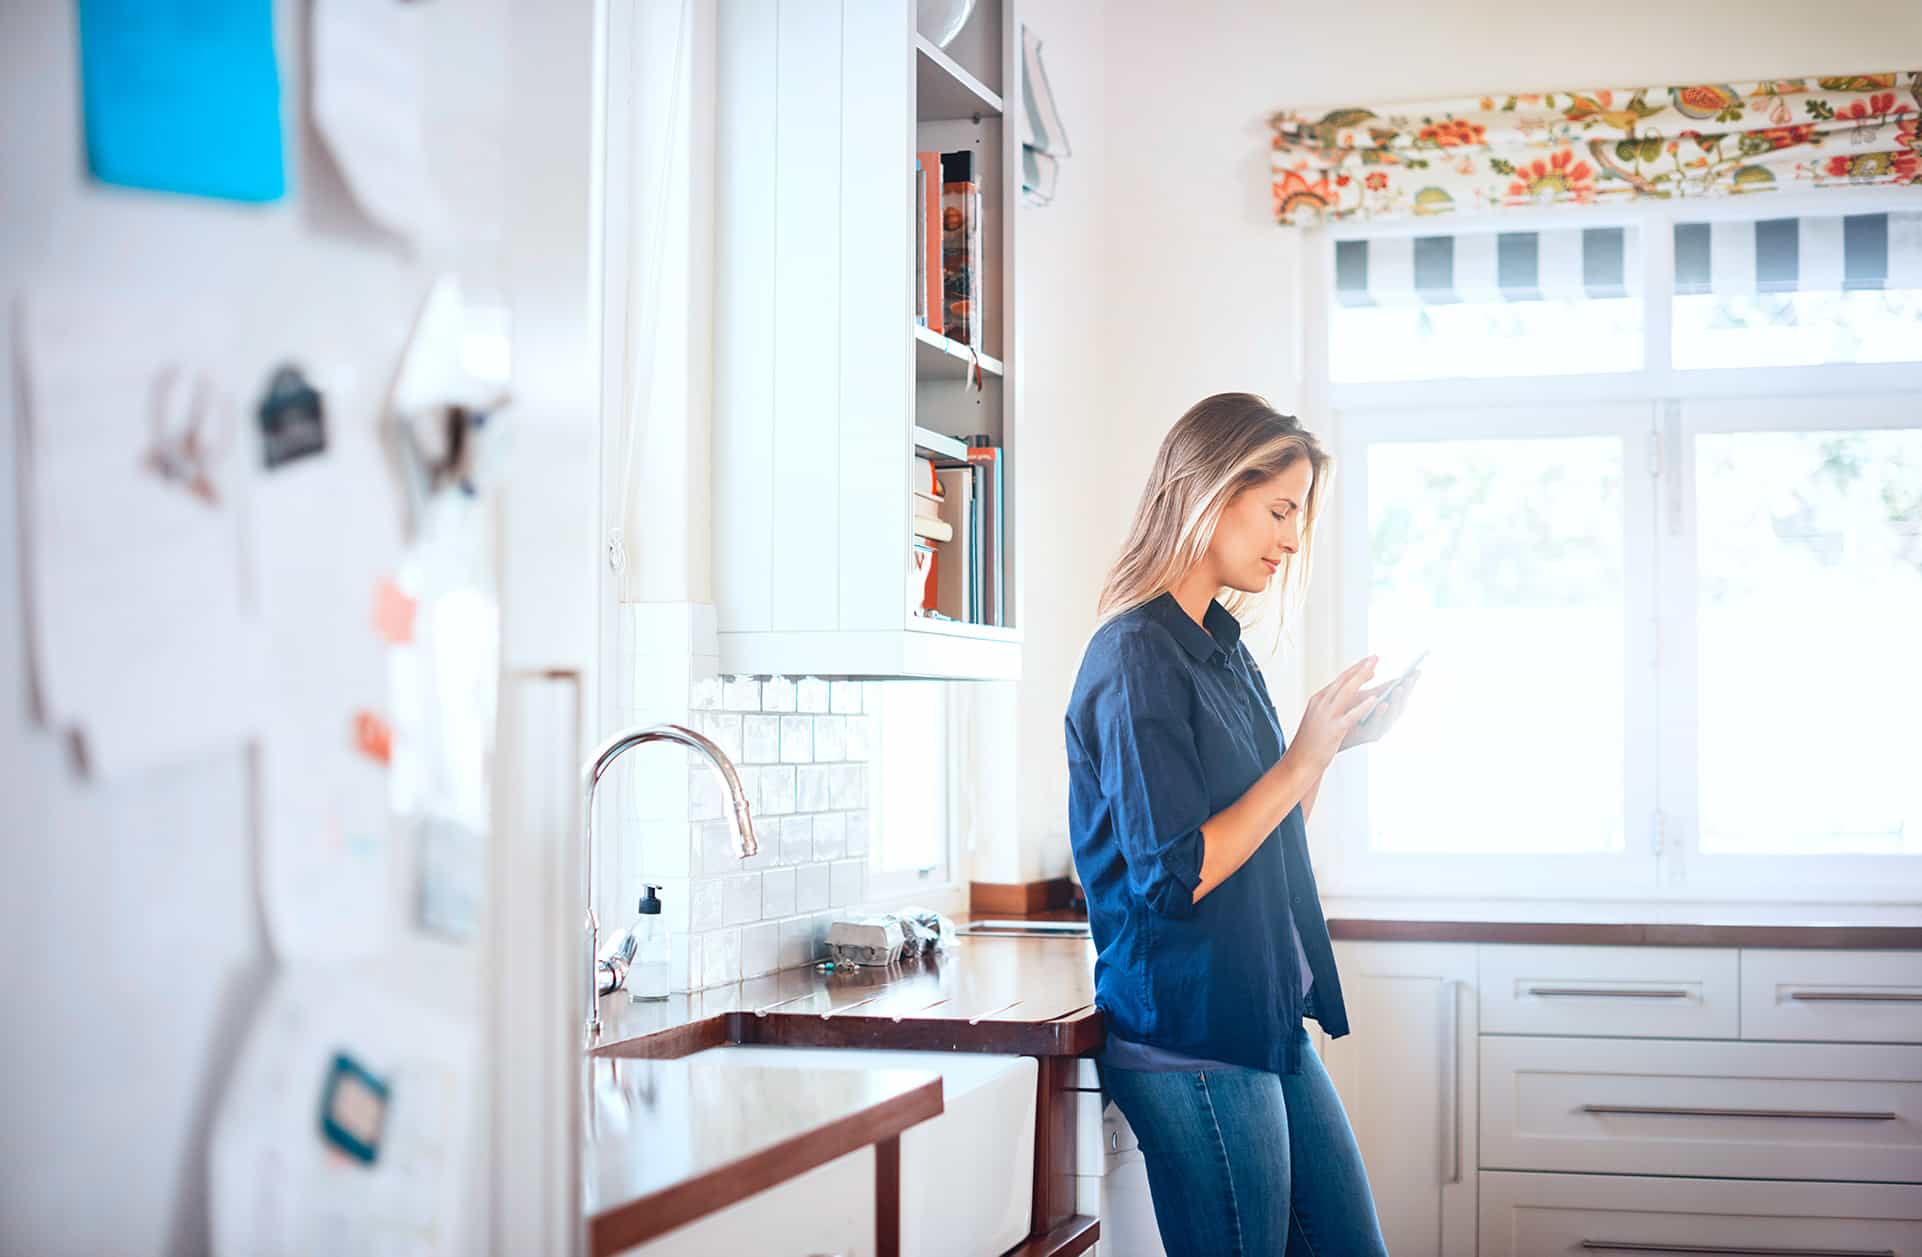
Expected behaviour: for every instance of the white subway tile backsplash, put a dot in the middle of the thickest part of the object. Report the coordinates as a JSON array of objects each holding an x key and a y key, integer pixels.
[
  {"x": 725, "y": 729},
  {"x": 849, "y": 882},
  {"x": 830, "y": 738},
  {"x": 705, "y": 910},
  {"x": 760, "y": 739},
  {"x": 777, "y": 790},
  {"x": 741, "y": 694},
  {"x": 813, "y": 787},
  {"x": 716, "y": 840},
  {"x": 720, "y": 957},
  {"x": 800, "y": 745},
  {"x": 741, "y": 899},
  {"x": 760, "y": 954},
  {"x": 777, "y": 893},
  {"x": 850, "y": 786},
  {"x": 797, "y": 942},
  {"x": 830, "y": 836},
  {"x": 797, "y": 740},
  {"x": 797, "y": 839},
  {"x": 813, "y": 887},
  {"x": 703, "y": 792}
]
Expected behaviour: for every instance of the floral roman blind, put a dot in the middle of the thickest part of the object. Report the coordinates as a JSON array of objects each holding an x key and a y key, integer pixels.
[{"x": 1585, "y": 148}]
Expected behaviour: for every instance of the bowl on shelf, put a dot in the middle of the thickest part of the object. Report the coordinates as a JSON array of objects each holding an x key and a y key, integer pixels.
[{"x": 941, "y": 20}]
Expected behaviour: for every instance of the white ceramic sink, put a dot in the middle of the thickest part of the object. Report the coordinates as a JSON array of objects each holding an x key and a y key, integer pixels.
[{"x": 967, "y": 1176}]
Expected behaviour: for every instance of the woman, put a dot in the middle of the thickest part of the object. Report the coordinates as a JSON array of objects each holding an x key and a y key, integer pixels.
[{"x": 1186, "y": 809}]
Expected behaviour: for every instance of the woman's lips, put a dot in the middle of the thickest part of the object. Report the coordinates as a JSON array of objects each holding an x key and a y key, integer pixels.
[{"x": 1273, "y": 566}]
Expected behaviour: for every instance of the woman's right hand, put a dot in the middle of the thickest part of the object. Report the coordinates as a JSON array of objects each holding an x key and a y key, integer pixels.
[{"x": 1334, "y": 710}]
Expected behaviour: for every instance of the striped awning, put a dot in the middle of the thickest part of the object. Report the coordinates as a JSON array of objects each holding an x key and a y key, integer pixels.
[
  {"x": 1821, "y": 254},
  {"x": 1489, "y": 266}
]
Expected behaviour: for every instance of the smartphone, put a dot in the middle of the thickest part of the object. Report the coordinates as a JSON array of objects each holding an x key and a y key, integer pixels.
[{"x": 1394, "y": 685}]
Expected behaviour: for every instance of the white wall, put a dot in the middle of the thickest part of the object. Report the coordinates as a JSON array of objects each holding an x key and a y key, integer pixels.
[
  {"x": 1182, "y": 284},
  {"x": 133, "y": 943},
  {"x": 1070, "y": 518}
]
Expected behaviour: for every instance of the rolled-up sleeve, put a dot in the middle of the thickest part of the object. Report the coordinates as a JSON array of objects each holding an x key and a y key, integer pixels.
[{"x": 1150, "y": 773}]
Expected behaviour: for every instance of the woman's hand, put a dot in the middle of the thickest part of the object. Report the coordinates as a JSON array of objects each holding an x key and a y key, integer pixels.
[
  {"x": 1332, "y": 714},
  {"x": 1378, "y": 719}
]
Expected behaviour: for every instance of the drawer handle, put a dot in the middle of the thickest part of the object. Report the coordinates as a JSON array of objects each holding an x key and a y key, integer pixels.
[
  {"x": 1724, "y": 1250},
  {"x": 1864, "y": 997},
  {"x": 1620, "y": 992},
  {"x": 1660, "y": 1111}
]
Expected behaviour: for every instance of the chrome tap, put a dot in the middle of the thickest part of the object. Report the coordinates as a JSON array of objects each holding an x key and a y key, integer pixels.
[{"x": 739, "y": 821}]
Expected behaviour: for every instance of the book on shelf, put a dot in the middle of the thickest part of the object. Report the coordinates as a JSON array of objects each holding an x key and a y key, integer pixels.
[
  {"x": 986, "y": 459},
  {"x": 928, "y": 239},
  {"x": 956, "y": 573},
  {"x": 961, "y": 256},
  {"x": 918, "y": 199}
]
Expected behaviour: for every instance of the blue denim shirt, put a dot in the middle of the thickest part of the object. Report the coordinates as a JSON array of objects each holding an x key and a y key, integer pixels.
[{"x": 1170, "y": 723}]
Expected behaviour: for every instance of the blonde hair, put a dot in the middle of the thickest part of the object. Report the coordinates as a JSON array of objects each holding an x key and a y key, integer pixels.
[{"x": 1224, "y": 444}]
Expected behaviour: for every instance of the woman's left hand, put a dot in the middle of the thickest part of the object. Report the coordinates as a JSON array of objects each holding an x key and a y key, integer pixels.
[{"x": 1382, "y": 718}]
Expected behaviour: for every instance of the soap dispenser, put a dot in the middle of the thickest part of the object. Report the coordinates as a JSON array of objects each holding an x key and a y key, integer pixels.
[{"x": 648, "y": 978}]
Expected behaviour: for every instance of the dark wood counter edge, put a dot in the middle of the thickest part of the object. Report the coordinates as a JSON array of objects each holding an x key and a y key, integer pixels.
[
  {"x": 1075, "y": 1034},
  {"x": 1625, "y": 934},
  {"x": 1076, "y": 1235},
  {"x": 647, "y": 1217}
]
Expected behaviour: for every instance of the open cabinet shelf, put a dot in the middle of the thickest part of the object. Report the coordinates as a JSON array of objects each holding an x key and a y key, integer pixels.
[
  {"x": 944, "y": 90},
  {"x": 822, "y": 112},
  {"x": 938, "y": 358}
]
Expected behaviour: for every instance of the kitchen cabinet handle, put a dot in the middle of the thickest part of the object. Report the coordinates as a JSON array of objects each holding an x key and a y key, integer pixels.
[
  {"x": 1620, "y": 992},
  {"x": 1662, "y": 1111},
  {"x": 1732, "y": 1250},
  {"x": 1860, "y": 997},
  {"x": 1451, "y": 1123}
]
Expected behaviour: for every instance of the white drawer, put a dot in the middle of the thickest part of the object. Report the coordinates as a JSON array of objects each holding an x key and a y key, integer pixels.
[
  {"x": 1528, "y": 1215},
  {"x": 1099, "y": 1132},
  {"x": 1832, "y": 996},
  {"x": 1637, "y": 992},
  {"x": 1741, "y": 1110}
]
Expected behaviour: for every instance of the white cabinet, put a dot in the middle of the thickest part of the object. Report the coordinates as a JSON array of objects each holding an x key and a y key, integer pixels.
[
  {"x": 1732, "y": 1110},
  {"x": 1667, "y": 992},
  {"x": 821, "y": 377},
  {"x": 1778, "y": 1091},
  {"x": 1832, "y": 996},
  {"x": 1526, "y": 1215},
  {"x": 1407, "y": 1077}
]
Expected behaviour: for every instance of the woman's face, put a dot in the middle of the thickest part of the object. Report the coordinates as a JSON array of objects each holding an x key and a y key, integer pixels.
[{"x": 1260, "y": 527}]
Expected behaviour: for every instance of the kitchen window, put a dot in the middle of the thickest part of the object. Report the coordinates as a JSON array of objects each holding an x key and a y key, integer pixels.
[{"x": 1673, "y": 597}]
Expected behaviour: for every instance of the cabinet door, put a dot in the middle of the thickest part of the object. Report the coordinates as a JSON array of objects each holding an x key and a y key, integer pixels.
[
  {"x": 1406, "y": 1073},
  {"x": 1618, "y": 1215}
]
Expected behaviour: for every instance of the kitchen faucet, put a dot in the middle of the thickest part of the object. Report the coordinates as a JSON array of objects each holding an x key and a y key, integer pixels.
[{"x": 739, "y": 822}]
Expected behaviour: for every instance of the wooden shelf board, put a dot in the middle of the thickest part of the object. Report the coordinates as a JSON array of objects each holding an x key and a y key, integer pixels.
[
  {"x": 943, "y": 90},
  {"x": 938, "y": 358}
]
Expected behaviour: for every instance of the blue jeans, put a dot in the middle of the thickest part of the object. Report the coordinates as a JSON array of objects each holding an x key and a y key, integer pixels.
[{"x": 1245, "y": 1163}]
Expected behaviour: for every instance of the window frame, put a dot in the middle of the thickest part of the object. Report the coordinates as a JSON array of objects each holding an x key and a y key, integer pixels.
[{"x": 1666, "y": 406}]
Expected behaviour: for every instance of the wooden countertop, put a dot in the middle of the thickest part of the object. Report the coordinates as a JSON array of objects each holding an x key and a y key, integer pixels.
[
  {"x": 669, "y": 1141},
  {"x": 1021, "y": 996},
  {"x": 1869, "y": 928}
]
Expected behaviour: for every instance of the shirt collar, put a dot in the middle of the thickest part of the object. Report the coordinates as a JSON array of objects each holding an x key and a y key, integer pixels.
[{"x": 1219, "y": 631}]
